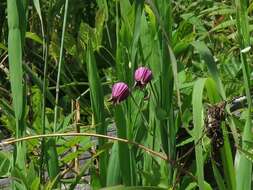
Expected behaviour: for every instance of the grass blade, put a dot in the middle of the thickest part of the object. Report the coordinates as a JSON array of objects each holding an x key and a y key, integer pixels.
[
  {"x": 124, "y": 150},
  {"x": 52, "y": 163},
  {"x": 15, "y": 14},
  {"x": 244, "y": 166},
  {"x": 97, "y": 105},
  {"x": 218, "y": 177},
  {"x": 52, "y": 160},
  {"x": 209, "y": 60},
  {"x": 198, "y": 128},
  {"x": 113, "y": 172}
]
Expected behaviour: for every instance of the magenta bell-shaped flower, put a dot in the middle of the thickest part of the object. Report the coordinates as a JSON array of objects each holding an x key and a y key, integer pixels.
[
  {"x": 120, "y": 92},
  {"x": 142, "y": 76}
]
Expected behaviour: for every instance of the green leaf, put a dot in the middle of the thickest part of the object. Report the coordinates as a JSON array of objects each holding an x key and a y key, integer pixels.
[
  {"x": 34, "y": 37},
  {"x": 2, "y": 46},
  {"x": 193, "y": 186},
  {"x": 198, "y": 127},
  {"x": 218, "y": 177},
  {"x": 20, "y": 178},
  {"x": 38, "y": 82},
  {"x": 113, "y": 172},
  {"x": 161, "y": 114},
  {"x": 65, "y": 123},
  {"x": 4, "y": 164},
  {"x": 52, "y": 161},
  {"x": 125, "y": 159},
  {"x": 206, "y": 55},
  {"x": 17, "y": 27},
  {"x": 97, "y": 105}
]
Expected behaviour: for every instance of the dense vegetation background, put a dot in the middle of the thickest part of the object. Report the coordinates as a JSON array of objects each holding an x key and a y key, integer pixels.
[{"x": 190, "y": 127}]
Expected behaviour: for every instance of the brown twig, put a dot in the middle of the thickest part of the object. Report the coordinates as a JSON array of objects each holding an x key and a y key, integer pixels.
[{"x": 146, "y": 149}]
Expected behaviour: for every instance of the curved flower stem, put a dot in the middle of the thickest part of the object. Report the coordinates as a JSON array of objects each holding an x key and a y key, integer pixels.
[{"x": 139, "y": 109}]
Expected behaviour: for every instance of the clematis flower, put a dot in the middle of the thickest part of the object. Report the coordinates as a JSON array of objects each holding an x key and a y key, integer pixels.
[
  {"x": 120, "y": 92},
  {"x": 142, "y": 76}
]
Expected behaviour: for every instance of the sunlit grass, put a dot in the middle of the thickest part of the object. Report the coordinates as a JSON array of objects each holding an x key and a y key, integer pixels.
[{"x": 56, "y": 94}]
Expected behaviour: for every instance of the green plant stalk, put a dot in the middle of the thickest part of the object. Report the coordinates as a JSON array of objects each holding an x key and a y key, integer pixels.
[
  {"x": 45, "y": 46},
  {"x": 128, "y": 33},
  {"x": 139, "y": 111},
  {"x": 227, "y": 161},
  {"x": 97, "y": 105},
  {"x": 43, "y": 116},
  {"x": 53, "y": 163},
  {"x": 163, "y": 75},
  {"x": 60, "y": 65},
  {"x": 198, "y": 128},
  {"x": 44, "y": 85},
  {"x": 15, "y": 13},
  {"x": 123, "y": 149},
  {"x": 244, "y": 167},
  {"x": 133, "y": 49},
  {"x": 218, "y": 177},
  {"x": 52, "y": 160},
  {"x": 15, "y": 60},
  {"x": 151, "y": 57},
  {"x": 167, "y": 81},
  {"x": 113, "y": 172},
  {"x": 137, "y": 29}
]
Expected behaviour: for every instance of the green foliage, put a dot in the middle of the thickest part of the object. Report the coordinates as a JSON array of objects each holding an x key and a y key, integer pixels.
[
  {"x": 59, "y": 60},
  {"x": 5, "y": 164}
]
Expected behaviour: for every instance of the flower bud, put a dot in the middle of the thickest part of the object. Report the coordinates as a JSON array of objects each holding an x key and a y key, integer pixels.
[
  {"x": 120, "y": 92},
  {"x": 142, "y": 76}
]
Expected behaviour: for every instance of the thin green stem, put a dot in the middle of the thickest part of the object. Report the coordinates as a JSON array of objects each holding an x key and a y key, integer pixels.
[
  {"x": 59, "y": 66},
  {"x": 139, "y": 109},
  {"x": 43, "y": 117},
  {"x": 44, "y": 89},
  {"x": 244, "y": 166}
]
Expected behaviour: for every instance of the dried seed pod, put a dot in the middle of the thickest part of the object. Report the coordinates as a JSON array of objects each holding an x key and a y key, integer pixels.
[{"x": 215, "y": 115}]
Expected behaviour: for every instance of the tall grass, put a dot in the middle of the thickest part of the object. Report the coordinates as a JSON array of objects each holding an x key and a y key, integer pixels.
[
  {"x": 16, "y": 24},
  {"x": 97, "y": 104},
  {"x": 79, "y": 49},
  {"x": 244, "y": 165},
  {"x": 217, "y": 95}
]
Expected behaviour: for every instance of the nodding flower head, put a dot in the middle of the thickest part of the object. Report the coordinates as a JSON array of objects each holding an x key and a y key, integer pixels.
[
  {"x": 120, "y": 92},
  {"x": 142, "y": 76}
]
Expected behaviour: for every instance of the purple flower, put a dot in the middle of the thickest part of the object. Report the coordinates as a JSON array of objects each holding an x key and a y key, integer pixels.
[
  {"x": 142, "y": 76},
  {"x": 120, "y": 92}
]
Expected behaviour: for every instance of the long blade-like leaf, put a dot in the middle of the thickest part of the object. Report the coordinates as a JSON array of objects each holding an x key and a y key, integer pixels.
[
  {"x": 97, "y": 104},
  {"x": 198, "y": 128}
]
